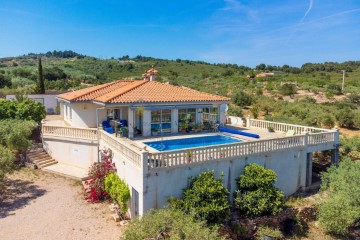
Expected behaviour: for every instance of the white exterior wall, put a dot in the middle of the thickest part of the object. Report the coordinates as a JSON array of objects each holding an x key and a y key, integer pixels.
[
  {"x": 223, "y": 113},
  {"x": 147, "y": 123},
  {"x": 174, "y": 120},
  {"x": 132, "y": 175},
  {"x": 199, "y": 115},
  {"x": 49, "y": 101},
  {"x": 289, "y": 165},
  {"x": 83, "y": 114},
  {"x": 131, "y": 122},
  {"x": 76, "y": 152}
]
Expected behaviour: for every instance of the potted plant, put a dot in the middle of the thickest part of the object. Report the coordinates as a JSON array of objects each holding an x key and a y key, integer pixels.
[
  {"x": 124, "y": 132},
  {"x": 197, "y": 127},
  {"x": 271, "y": 129},
  {"x": 183, "y": 126}
]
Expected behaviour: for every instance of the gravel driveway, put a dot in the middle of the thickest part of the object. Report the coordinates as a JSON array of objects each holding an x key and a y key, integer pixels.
[{"x": 39, "y": 205}]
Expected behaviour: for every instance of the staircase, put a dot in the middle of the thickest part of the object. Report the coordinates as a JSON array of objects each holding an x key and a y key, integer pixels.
[{"x": 37, "y": 155}]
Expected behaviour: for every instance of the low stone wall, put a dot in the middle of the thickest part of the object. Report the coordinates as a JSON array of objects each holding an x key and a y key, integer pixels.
[{"x": 72, "y": 151}]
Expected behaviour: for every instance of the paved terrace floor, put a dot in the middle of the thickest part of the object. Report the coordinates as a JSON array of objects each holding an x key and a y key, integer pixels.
[
  {"x": 57, "y": 120},
  {"x": 263, "y": 133}
]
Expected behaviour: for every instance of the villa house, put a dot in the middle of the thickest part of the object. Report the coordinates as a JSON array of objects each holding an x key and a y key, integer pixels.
[{"x": 152, "y": 113}]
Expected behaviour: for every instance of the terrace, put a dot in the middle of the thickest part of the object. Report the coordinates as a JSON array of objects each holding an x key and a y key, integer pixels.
[
  {"x": 155, "y": 175},
  {"x": 313, "y": 139}
]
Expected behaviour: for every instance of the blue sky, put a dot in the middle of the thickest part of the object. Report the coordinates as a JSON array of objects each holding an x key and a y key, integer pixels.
[{"x": 243, "y": 32}]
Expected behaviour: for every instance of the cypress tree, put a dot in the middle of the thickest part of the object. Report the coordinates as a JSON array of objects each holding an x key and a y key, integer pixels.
[{"x": 41, "y": 84}]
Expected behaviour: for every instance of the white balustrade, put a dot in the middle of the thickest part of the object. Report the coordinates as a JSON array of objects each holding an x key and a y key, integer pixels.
[
  {"x": 70, "y": 132},
  {"x": 175, "y": 158},
  {"x": 284, "y": 127},
  {"x": 131, "y": 154},
  {"x": 169, "y": 159}
]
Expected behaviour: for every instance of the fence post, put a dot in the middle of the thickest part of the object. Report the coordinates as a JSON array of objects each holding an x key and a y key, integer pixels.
[
  {"x": 144, "y": 161},
  {"x": 248, "y": 121}
]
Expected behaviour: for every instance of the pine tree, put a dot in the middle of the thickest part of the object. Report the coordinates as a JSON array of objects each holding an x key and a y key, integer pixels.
[{"x": 41, "y": 84}]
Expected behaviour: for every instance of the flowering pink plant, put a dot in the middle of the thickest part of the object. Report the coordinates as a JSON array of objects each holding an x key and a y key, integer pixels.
[{"x": 94, "y": 186}]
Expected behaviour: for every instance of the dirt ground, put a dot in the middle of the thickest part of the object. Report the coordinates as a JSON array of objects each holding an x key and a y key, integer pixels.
[{"x": 39, "y": 205}]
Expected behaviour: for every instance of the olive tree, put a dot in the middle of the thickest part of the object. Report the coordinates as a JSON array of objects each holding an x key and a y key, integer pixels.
[
  {"x": 257, "y": 194},
  {"x": 340, "y": 210},
  {"x": 206, "y": 199},
  {"x": 169, "y": 224},
  {"x": 6, "y": 161}
]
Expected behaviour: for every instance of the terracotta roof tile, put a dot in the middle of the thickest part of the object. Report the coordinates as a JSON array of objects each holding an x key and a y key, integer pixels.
[
  {"x": 89, "y": 94},
  {"x": 123, "y": 90},
  {"x": 140, "y": 91},
  {"x": 159, "y": 92}
]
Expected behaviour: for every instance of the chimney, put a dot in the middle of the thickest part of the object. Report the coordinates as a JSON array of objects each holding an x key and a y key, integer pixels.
[
  {"x": 150, "y": 74},
  {"x": 145, "y": 76}
]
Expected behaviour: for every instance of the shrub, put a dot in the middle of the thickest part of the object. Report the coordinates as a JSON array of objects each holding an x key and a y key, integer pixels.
[
  {"x": 255, "y": 111},
  {"x": 30, "y": 110},
  {"x": 334, "y": 88},
  {"x": 349, "y": 145},
  {"x": 94, "y": 190},
  {"x": 5, "y": 81},
  {"x": 15, "y": 134},
  {"x": 118, "y": 190},
  {"x": 327, "y": 121},
  {"x": 25, "y": 110},
  {"x": 235, "y": 110},
  {"x": 340, "y": 210},
  {"x": 7, "y": 159},
  {"x": 7, "y": 109},
  {"x": 288, "y": 89},
  {"x": 346, "y": 118},
  {"x": 257, "y": 194},
  {"x": 243, "y": 99},
  {"x": 169, "y": 224},
  {"x": 206, "y": 199}
]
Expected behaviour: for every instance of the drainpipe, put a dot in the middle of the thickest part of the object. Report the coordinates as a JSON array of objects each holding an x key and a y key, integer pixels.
[{"x": 97, "y": 131}]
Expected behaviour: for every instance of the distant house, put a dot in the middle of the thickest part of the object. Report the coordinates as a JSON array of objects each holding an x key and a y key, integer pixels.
[
  {"x": 48, "y": 100},
  {"x": 264, "y": 74}
]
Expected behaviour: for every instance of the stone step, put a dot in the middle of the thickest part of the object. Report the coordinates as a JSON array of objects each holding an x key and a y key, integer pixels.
[
  {"x": 34, "y": 152},
  {"x": 37, "y": 154},
  {"x": 44, "y": 161},
  {"x": 39, "y": 159},
  {"x": 48, "y": 163}
]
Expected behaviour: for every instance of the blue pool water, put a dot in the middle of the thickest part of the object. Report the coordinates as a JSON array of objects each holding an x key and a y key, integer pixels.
[{"x": 176, "y": 144}]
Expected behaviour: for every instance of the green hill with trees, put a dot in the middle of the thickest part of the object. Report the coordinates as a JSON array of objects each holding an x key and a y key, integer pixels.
[{"x": 289, "y": 95}]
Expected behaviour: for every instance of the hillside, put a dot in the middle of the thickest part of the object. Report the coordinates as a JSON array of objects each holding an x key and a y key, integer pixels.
[
  {"x": 288, "y": 96},
  {"x": 69, "y": 70}
]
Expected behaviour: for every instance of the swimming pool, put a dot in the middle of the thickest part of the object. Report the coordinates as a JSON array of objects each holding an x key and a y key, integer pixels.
[{"x": 182, "y": 143}]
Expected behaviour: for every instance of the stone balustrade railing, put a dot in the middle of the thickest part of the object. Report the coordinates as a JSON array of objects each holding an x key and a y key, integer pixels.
[
  {"x": 131, "y": 153},
  {"x": 283, "y": 127},
  {"x": 70, "y": 132},
  {"x": 319, "y": 138},
  {"x": 168, "y": 159}
]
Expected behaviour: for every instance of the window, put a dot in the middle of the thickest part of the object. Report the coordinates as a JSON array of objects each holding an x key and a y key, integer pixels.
[
  {"x": 187, "y": 114},
  {"x": 210, "y": 114},
  {"x": 161, "y": 120}
]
